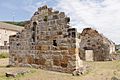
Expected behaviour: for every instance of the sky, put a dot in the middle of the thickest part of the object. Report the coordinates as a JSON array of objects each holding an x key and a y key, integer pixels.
[{"x": 103, "y": 15}]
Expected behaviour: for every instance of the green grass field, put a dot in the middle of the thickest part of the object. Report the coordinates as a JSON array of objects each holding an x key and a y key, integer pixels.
[
  {"x": 99, "y": 71},
  {"x": 4, "y": 55}
]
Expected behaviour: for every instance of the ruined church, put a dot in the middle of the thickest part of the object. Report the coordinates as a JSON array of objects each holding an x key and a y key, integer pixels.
[
  {"x": 95, "y": 46},
  {"x": 49, "y": 42}
]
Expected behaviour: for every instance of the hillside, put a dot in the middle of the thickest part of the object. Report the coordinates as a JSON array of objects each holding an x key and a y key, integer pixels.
[{"x": 21, "y": 23}]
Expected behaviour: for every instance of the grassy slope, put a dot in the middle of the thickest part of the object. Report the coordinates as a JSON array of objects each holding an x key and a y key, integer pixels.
[
  {"x": 99, "y": 71},
  {"x": 22, "y": 23}
]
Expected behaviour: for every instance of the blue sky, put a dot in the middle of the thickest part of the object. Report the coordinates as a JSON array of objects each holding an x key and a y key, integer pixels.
[
  {"x": 10, "y": 8},
  {"x": 20, "y": 9},
  {"x": 103, "y": 15}
]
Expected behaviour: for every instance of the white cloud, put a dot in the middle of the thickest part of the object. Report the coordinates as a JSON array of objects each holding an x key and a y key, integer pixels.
[
  {"x": 100, "y": 14},
  {"x": 104, "y": 15}
]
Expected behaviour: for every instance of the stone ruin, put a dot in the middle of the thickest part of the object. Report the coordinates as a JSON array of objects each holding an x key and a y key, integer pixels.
[
  {"x": 94, "y": 46},
  {"x": 47, "y": 42}
]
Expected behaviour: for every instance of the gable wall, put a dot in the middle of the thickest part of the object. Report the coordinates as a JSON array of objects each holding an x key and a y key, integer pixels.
[{"x": 48, "y": 43}]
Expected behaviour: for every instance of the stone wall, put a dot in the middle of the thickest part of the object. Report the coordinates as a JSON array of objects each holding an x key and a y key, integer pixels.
[
  {"x": 92, "y": 40},
  {"x": 47, "y": 42},
  {"x": 4, "y": 49}
]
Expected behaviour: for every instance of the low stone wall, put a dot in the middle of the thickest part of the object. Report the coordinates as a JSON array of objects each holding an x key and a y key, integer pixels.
[{"x": 4, "y": 49}]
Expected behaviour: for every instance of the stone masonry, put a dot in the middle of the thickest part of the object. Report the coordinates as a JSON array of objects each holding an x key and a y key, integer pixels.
[
  {"x": 92, "y": 41},
  {"x": 47, "y": 42}
]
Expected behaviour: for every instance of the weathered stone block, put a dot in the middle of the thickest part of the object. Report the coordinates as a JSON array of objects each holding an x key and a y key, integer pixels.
[
  {"x": 56, "y": 62},
  {"x": 55, "y": 17},
  {"x": 49, "y": 63},
  {"x": 56, "y": 59},
  {"x": 40, "y": 61},
  {"x": 62, "y": 14},
  {"x": 63, "y": 47},
  {"x": 56, "y": 12},
  {"x": 30, "y": 59},
  {"x": 59, "y": 33},
  {"x": 72, "y": 51},
  {"x": 58, "y": 22},
  {"x": 64, "y": 52},
  {"x": 20, "y": 60},
  {"x": 44, "y": 47},
  {"x": 64, "y": 62}
]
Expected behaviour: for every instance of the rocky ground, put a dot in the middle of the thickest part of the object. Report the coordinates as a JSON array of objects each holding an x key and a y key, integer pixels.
[{"x": 109, "y": 70}]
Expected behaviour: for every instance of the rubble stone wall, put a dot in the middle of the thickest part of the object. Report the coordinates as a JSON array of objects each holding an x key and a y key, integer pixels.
[
  {"x": 47, "y": 42},
  {"x": 92, "y": 40}
]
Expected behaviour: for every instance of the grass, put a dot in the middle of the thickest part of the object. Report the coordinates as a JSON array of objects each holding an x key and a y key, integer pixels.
[
  {"x": 99, "y": 71},
  {"x": 118, "y": 51},
  {"x": 4, "y": 55}
]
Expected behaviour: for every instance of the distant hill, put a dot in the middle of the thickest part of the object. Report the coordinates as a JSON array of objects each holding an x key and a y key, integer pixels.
[{"x": 22, "y": 23}]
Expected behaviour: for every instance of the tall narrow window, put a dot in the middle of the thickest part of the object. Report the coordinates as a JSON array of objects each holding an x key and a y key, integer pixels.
[
  {"x": 34, "y": 26},
  {"x": 34, "y": 29},
  {"x": 33, "y": 36}
]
